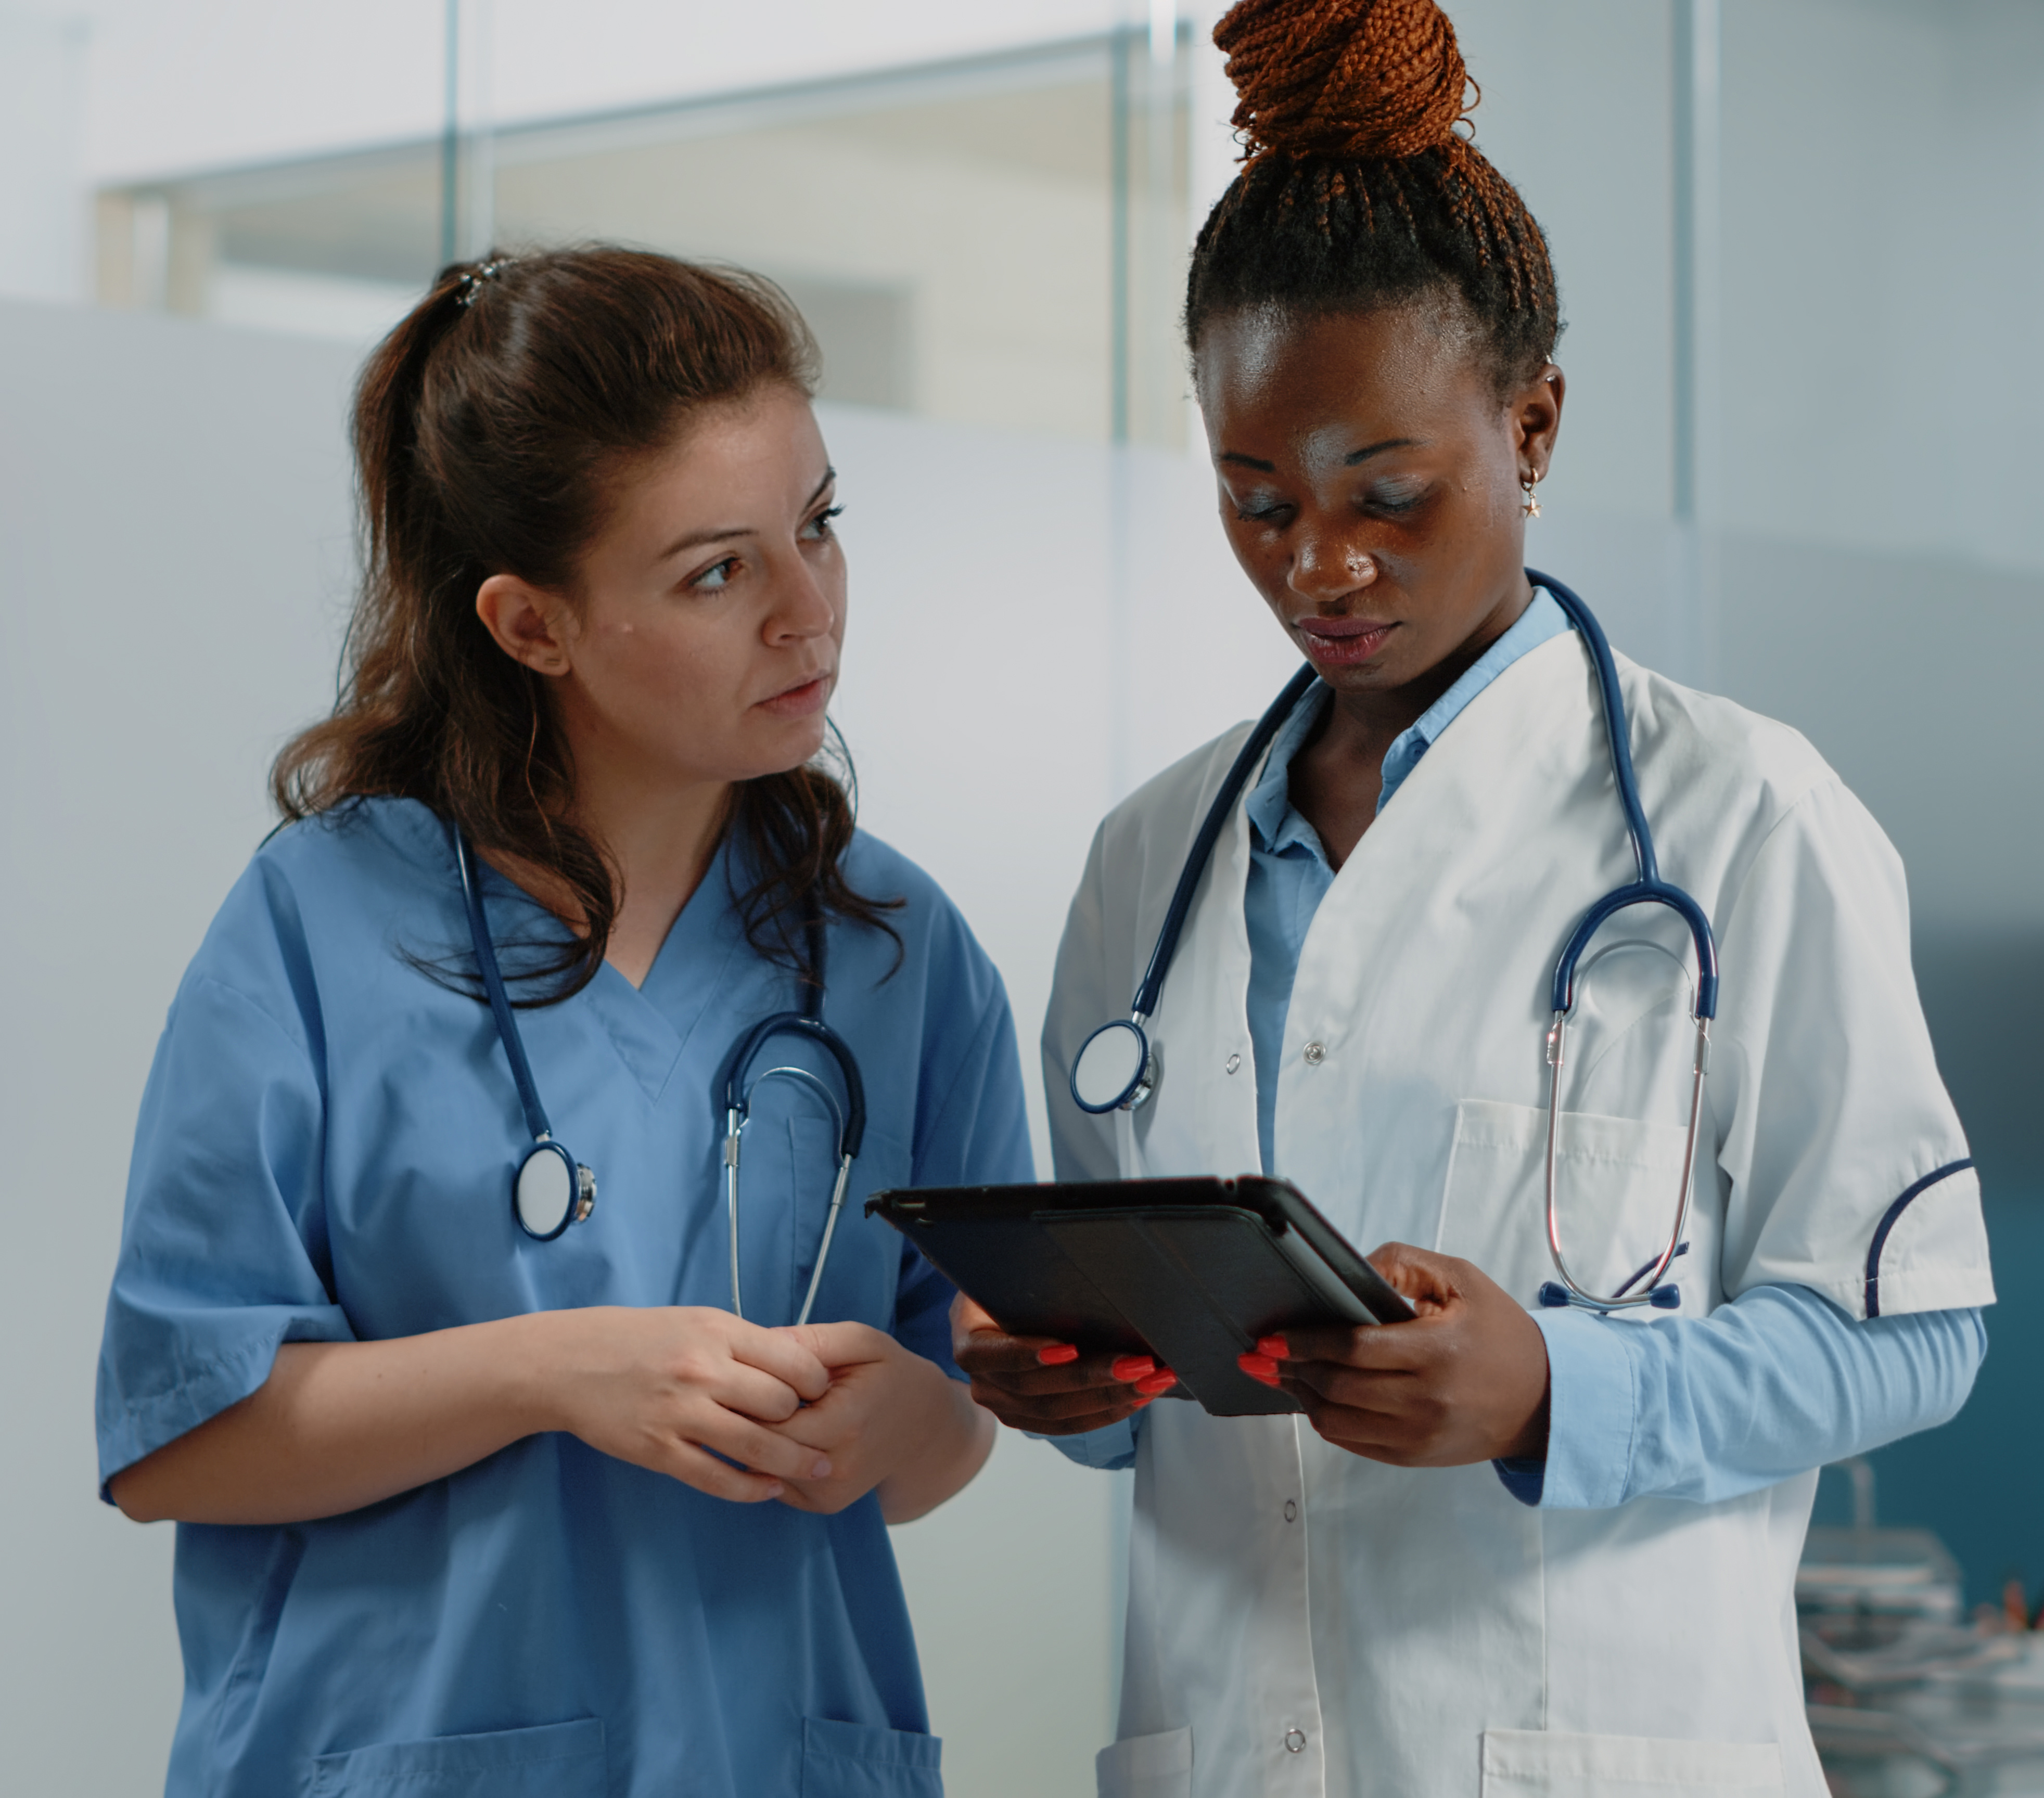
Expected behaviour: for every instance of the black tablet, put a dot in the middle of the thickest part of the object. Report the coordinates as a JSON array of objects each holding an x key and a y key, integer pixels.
[{"x": 1192, "y": 1271}]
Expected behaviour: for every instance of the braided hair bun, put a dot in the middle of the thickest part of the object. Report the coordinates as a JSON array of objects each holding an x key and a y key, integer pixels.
[
  {"x": 1358, "y": 191},
  {"x": 1344, "y": 78}
]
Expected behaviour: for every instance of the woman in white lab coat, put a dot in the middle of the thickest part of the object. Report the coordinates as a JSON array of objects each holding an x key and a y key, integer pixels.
[{"x": 1507, "y": 1547}]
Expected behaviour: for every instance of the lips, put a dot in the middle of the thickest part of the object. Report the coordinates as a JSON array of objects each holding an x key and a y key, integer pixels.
[
  {"x": 1344, "y": 641},
  {"x": 803, "y": 697}
]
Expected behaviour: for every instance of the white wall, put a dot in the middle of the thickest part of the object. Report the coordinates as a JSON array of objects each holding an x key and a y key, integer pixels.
[{"x": 174, "y": 548}]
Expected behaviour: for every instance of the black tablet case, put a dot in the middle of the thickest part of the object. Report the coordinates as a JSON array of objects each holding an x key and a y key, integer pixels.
[{"x": 1192, "y": 1271}]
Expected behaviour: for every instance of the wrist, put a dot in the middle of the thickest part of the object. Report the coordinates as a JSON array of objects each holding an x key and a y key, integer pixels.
[
  {"x": 1531, "y": 1444},
  {"x": 947, "y": 1453},
  {"x": 529, "y": 1357}
]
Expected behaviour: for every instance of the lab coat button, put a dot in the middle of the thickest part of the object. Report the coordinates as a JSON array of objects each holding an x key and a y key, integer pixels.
[
  {"x": 1315, "y": 1054},
  {"x": 1295, "y": 1741},
  {"x": 1234, "y": 1062},
  {"x": 1291, "y": 1511}
]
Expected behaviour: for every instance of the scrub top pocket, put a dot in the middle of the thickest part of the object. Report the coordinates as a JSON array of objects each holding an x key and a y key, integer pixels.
[
  {"x": 554, "y": 1760},
  {"x": 859, "y": 1761},
  {"x": 1616, "y": 1179}
]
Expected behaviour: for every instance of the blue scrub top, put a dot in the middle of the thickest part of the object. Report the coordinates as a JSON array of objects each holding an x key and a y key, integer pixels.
[{"x": 325, "y": 1154}]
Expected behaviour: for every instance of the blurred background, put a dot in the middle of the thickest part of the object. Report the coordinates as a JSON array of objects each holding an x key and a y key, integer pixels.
[{"x": 1801, "y": 249}]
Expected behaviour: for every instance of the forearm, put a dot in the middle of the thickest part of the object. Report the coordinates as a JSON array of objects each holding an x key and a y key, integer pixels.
[
  {"x": 340, "y": 1425},
  {"x": 1772, "y": 1385},
  {"x": 949, "y": 1455}
]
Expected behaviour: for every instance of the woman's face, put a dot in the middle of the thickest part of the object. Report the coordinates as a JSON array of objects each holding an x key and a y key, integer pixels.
[
  {"x": 701, "y": 644},
  {"x": 1369, "y": 480}
]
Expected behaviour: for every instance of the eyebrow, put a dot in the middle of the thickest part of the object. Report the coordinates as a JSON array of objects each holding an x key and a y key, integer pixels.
[
  {"x": 1348, "y": 461},
  {"x": 1368, "y": 450},
  {"x": 695, "y": 539}
]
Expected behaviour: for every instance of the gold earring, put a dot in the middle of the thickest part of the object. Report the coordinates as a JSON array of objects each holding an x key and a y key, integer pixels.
[{"x": 1531, "y": 509}]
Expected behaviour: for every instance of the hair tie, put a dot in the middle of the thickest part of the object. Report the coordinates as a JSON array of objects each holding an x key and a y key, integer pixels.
[{"x": 472, "y": 279}]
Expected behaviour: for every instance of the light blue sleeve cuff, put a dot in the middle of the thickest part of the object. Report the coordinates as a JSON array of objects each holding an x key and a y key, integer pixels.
[
  {"x": 1591, "y": 1416},
  {"x": 1108, "y": 1450}
]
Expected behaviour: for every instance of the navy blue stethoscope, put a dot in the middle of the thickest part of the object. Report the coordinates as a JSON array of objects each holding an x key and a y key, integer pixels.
[
  {"x": 1116, "y": 1069},
  {"x": 551, "y": 1190}
]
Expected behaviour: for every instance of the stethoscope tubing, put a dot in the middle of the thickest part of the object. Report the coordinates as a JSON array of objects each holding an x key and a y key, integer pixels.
[
  {"x": 1647, "y": 889},
  {"x": 808, "y": 1024},
  {"x": 1127, "y": 1094},
  {"x": 500, "y": 1001},
  {"x": 1201, "y": 852}
]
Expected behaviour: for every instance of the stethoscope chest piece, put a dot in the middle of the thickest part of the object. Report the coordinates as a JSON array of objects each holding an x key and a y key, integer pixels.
[
  {"x": 550, "y": 1191},
  {"x": 1115, "y": 1069}
]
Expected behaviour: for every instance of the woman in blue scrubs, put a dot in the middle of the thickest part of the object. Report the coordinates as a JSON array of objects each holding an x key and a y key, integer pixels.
[{"x": 461, "y": 1510}]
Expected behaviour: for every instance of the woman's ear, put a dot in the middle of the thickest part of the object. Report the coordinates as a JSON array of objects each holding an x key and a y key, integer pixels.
[
  {"x": 530, "y": 626},
  {"x": 1536, "y": 418}
]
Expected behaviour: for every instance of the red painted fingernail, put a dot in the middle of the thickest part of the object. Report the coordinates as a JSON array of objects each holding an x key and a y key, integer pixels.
[
  {"x": 1133, "y": 1366},
  {"x": 1258, "y": 1367},
  {"x": 1275, "y": 1347},
  {"x": 1139, "y": 1404},
  {"x": 1162, "y": 1380},
  {"x": 1057, "y": 1354}
]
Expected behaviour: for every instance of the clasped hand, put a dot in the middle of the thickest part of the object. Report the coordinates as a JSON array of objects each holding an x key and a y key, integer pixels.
[{"x": 816, "y": 1416}]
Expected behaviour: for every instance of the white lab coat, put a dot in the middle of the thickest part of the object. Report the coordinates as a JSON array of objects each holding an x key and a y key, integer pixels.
[{"x": 1302, "y": 1621}]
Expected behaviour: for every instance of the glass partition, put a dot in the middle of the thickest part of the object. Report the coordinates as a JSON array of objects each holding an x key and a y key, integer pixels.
[{"x": 996, "y": 240}]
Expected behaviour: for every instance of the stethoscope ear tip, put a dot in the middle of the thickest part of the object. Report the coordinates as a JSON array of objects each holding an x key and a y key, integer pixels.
[
  {"x": 1554, "y": 1294},
  {"x": 1666, "y": 1298}
]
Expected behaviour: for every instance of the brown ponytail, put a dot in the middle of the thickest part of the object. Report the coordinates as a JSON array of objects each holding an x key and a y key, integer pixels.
[{"x": 487, "y": 427}]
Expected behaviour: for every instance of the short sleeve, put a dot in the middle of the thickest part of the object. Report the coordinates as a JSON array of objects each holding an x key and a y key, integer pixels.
[
  {"x": 1848, "y": 1170},
  {"x": 217, "y": 1266},
  {"x": 974, "y": 1132}
]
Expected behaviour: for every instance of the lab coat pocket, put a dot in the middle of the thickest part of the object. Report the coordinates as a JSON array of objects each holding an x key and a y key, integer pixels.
[
  {"x": 860, "y": 1760},
  {"x": 1146, "y": 1766},
  {"x": 1529, "y": 1763},
  {"x": 1616, "y": 1180},
  {"x": 555, "y": 1760}
]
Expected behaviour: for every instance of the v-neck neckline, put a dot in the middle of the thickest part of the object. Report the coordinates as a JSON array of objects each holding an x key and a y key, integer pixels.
[{"x": 650, "y": 1024}]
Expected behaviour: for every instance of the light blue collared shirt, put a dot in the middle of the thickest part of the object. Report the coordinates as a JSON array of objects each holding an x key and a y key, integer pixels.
[
  {"x": 1780, "y": 1381},
  {"x": 1289, "y": 871}
]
